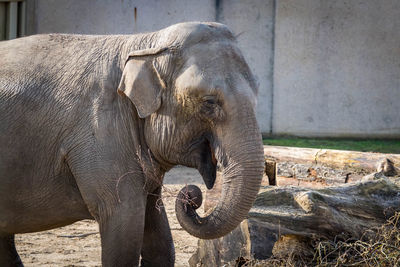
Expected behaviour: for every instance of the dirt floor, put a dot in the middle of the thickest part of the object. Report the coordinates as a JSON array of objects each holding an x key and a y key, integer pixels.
[{"x": 79, "y": 244}]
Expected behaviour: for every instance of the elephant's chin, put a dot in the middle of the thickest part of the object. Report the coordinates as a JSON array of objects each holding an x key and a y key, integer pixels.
[{"x": 208, "y": 165}]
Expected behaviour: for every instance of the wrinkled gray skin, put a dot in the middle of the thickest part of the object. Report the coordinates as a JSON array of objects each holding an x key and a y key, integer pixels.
[{"x": 89, "y": 125}]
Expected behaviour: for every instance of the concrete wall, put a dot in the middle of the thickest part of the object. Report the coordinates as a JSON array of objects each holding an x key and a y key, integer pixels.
[
  {"x": 118, "y": 16},
  {"x": 325, "y": 68},
  {"x": 253, "y": 20},
  {"x": 337, "y": 68}
]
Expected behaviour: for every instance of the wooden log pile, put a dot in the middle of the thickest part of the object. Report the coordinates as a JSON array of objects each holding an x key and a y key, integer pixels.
[{"x": 285, "y": 219}]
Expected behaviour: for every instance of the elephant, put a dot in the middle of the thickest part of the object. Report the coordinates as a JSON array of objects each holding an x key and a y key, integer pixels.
[{"x": 89, "y": 125}]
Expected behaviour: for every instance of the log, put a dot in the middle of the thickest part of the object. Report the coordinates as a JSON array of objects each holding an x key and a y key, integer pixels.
[
  {"x": 330, "y": 211},
  {"x": 365, "y": 161},
  {"x": 350, "y": 160},
  {"x": 295, "y": 214},
  {"x": 270, "y": 171},
  {"x": 284, "y": 219}
]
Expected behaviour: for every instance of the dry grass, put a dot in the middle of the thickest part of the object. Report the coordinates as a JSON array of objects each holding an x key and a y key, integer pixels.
[{"x": 377, "y": 247}]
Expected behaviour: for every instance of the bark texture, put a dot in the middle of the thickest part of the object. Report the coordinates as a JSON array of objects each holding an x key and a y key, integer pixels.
[
  {"x": 293, "y": 215},
  {"x": 329, "y": 157}
]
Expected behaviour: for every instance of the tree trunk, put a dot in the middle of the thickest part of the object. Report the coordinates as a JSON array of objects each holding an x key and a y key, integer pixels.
[{"x": 332, "y": 158}]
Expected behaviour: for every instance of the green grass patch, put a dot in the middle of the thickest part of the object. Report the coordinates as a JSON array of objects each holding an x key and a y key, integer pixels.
[{"x": 383, "y": 146}]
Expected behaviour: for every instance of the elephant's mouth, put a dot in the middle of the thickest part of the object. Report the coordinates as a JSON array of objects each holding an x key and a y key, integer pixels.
[{"x": 207, "y": 165}]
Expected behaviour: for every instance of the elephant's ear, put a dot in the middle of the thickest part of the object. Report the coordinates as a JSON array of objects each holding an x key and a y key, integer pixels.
[{"x": 141, "y": 82}]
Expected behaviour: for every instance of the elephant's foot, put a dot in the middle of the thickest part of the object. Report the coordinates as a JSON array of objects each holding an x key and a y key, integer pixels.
[{"x": 8, "y": 254}]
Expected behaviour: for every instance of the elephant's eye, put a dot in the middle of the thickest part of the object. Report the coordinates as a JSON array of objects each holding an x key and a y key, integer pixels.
[
  {"x": 210, "y": 99},
  {"x": 212, "y": 108}
]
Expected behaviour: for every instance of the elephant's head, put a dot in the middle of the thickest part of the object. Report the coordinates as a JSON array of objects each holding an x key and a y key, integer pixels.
[{"x": 197, "y": 96}]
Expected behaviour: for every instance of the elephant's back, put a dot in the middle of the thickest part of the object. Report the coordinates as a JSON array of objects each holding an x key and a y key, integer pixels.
[
  {"x": 41, "y": 46},
  {"x": 45, "y": 50},
  {"x": 50, "y": 73},
  {"x": 22, "y": 53},
  {"x": 48, "y": 62},
  {"x": 35, "y": 74}
]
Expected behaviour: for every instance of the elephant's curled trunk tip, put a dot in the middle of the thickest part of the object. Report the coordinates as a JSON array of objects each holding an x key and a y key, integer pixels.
[{"x": 188, "y": 200}]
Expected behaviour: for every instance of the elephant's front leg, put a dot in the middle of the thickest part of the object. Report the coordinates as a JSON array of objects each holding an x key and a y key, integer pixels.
[
  {"x": 119, "y": 209},
  {"x": 121, "y": 232},
  {"x": 158, "y": 246},
  {"x": 122, "y": 235},
  {"x": 8, "y": 253}
]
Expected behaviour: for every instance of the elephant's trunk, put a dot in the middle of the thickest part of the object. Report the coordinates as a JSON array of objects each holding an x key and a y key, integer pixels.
[{"x": 243, "y": 151}]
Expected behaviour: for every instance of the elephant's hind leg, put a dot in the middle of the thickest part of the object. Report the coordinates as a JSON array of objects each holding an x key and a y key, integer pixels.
[{"x": 8, "y": 254}]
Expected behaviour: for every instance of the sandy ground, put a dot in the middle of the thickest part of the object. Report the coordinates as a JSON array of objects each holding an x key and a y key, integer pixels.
[{"x": 79, "y": 244}]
